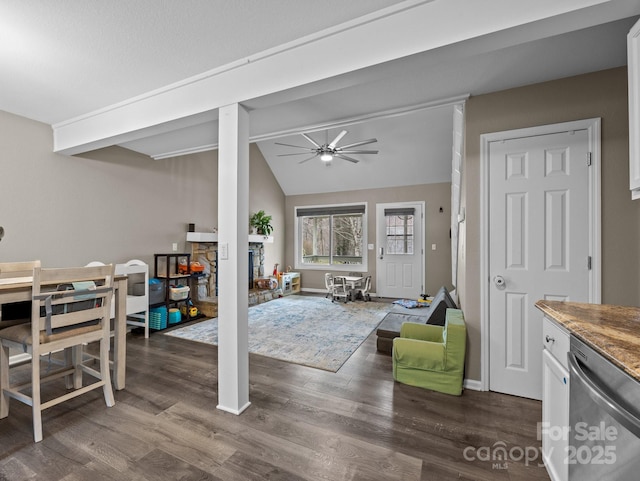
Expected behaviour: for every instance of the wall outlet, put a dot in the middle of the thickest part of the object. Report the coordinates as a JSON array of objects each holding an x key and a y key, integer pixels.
[
  {"x": 175, "y": 247},
  {"x": 433, "y": 247}
]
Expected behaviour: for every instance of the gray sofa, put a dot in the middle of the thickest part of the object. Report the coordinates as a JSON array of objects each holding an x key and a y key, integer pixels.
[{"x": 435, "y": 314}]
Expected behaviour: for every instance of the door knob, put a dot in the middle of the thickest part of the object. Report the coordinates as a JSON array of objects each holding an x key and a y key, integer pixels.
[{"x": 499, "y": 281}]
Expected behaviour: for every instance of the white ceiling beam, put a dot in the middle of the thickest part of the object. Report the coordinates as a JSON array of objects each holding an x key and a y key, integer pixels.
[
  {"x": 346, "y": 122},
  {"x": 404, "y": 29}
]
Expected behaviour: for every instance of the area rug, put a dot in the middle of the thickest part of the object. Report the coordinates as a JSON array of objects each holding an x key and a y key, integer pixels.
[{"x": 312, "y": 331}]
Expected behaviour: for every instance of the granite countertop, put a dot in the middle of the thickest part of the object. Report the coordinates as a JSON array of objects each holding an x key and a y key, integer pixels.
[{"x": 613, "y": 331}]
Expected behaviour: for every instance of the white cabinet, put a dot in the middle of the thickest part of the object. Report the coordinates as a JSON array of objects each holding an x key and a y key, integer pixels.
[
  {"x": 633, "y": 61},
  {"x": 555, "y": 400}
]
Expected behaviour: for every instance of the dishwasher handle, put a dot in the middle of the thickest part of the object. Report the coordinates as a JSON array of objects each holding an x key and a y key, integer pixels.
[{"x": 619, "y": 413}]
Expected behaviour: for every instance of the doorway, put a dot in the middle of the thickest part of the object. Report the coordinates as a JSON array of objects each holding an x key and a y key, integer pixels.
[
  {"x": 400, "y": 250},
  {"x": 541, "y": 240}
]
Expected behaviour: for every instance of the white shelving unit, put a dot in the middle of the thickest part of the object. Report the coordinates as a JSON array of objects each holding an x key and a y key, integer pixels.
[
  {"x": 137, "y": 305},
  {"x": 289, "y": 282}
]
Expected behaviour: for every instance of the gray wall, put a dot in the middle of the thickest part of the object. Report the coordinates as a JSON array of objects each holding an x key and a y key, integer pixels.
[
  {"x": 437, "y": 263},
  {"x": 113, "y": 204},
  {"x": 601, "y": 94},
  {"x": 117, "y": 205}
]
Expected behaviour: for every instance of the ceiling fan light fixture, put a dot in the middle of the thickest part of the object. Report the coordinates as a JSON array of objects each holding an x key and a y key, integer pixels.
[{"x": 329, "y": 150}]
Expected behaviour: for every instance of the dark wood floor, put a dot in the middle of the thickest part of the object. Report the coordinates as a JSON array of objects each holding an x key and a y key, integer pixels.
[{"x": 356, "y": 424}]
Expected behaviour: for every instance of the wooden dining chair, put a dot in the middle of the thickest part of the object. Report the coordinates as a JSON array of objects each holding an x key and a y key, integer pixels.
[
  {"x": 70, "y": 307},
  {"x": 16, "y": 312}
]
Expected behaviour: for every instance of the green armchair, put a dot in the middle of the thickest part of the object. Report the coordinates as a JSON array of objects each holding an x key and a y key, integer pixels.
[{"x": 432, "y": 357}]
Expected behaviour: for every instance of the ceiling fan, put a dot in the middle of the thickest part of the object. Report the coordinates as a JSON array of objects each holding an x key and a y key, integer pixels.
[{"x": 329, "y": 150}]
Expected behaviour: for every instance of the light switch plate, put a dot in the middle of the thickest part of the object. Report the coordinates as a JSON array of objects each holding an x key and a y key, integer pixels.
[{"x": 224, "y": 250}]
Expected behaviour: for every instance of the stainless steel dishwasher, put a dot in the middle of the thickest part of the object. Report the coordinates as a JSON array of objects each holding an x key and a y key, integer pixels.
[{"x": 604, "y": 418}]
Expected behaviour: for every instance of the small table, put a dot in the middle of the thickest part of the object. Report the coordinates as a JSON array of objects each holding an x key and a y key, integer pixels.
[
  {"x": 17, "y": 289},
  {"x": 352, "y": 282}
]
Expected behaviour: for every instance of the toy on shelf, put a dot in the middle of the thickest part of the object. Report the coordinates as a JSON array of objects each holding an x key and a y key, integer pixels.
[{"x": 196, "y": 268}]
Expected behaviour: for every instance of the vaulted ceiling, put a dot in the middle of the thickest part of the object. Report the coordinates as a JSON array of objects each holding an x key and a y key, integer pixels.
[{"x": 66, "y": 59}]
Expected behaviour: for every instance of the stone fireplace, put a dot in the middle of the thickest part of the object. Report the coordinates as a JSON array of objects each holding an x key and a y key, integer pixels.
[{"x": 204, "y": 288}]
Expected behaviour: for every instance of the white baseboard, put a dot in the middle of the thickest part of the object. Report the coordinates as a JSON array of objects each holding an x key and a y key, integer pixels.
[
  {"x": 473, "y": 385},
  {"x": 237, "y": 412},
  {"x": 311, "y": 289}
]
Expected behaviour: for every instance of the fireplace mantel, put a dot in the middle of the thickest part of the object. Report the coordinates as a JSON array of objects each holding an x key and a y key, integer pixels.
[{"x": 213, "y": 237}]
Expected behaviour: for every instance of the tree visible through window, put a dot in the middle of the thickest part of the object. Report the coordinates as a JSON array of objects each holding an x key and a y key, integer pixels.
[
  {"x": 331, "y": 235},
  {"x": 316, "y": 239},
  {"x": 399, "y": 233}
]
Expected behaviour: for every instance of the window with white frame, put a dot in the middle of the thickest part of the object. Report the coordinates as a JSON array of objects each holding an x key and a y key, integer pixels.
[
  {"x": 399, "y": 230},
  {"x": 331, "y": 236}
]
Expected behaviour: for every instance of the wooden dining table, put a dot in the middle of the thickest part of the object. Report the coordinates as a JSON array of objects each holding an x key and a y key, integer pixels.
[{"x": 17, "y": 289}]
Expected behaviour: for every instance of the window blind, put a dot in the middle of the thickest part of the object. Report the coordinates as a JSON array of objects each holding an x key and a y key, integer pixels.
[
  {"x": 330, "y": 210},
  {"x": 400, "y": 211}
]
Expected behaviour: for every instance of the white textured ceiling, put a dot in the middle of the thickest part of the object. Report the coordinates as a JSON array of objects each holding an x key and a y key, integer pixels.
[{"x": 66, "y": 58}]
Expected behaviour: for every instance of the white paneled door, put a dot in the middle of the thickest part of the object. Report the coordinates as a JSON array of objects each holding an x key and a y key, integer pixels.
[
  {"x": 400, "y": 250},
  {"x": 539, "y": 247}
]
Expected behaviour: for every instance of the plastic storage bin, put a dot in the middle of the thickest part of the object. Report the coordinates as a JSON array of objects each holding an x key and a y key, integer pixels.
[
  {"x": 179, "y": 293},
  {"x": 156, "y": 291}
]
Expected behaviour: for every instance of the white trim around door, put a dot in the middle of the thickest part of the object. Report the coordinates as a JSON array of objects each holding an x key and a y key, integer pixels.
[
  {"x": 413, "y": 285},
  {"x": 593, "y": 128}
]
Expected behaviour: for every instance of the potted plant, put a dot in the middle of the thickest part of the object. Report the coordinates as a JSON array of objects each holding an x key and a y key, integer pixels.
[{"x": 261, "y": 222}]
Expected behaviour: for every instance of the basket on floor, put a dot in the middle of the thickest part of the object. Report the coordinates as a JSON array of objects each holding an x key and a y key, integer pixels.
[{"x": 158, "y": 318}]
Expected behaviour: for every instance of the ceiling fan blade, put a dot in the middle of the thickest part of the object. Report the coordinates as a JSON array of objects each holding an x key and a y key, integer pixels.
[
  {"x": 340, "y": 151},
  {"x": 350, "y": 159},
  {"x": 289, "y": 145},
  {"x": 297, "y": 153},
  {"x": 335, "y": 141},
  {"x": 305, "y": 160},
  {"x": 356, "y": 144},
  {"x": 311, "y": 140}
]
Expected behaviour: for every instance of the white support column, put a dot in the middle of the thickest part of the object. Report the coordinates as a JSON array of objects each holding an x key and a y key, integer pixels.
[{"x": 233, "y": 264}]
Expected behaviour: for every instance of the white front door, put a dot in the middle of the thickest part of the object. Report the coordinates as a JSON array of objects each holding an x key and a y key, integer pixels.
[
  {"x": 539, "y": 247},
  {"x": 400, "y": 250}
]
